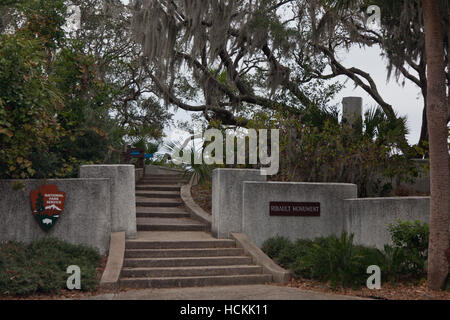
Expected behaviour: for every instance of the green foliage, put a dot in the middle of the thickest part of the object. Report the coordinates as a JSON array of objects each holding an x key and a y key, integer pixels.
[
  {"x": 315, "y": 147},
  {"x": 27, "y": 100},
  {"x": 66, "y": 98},
  {"x": 392, "y": 265},
  {"x": 273, "y": 247},
  {"x": 411, "y": 241},
  {"x": 332, "y": 259},
  {"x": 41, "y": 267},
  {"x": 193, "y": 165},
  {"x": 340, "y": 262}
]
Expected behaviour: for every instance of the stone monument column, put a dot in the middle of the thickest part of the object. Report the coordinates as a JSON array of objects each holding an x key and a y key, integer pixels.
[{"x": 352, "y": 111}]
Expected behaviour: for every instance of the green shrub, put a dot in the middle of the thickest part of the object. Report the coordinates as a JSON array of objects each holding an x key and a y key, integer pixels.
[
  {"x": 411, "y": 239},
  {"x": 332, "y": 259},
  {"x": 288, "y": 255},
  {"x": 391, "y": 266},
  {"x": 338, "y": 261},
  {"x": 41, "y": 266},
  {"x": 273, "y": 246}
]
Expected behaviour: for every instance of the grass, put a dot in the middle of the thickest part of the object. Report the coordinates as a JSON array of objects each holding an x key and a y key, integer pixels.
[{"x": 41, "y": 267}]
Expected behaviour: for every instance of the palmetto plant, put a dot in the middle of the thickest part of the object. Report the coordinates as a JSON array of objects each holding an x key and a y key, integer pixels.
[
  {"x": 382, "y": 130},
  {"x": 195, "y": 167}
]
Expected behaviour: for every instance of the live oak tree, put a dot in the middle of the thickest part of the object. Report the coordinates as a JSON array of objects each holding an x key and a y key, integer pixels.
[
  {"x": 105, "y": 34},
  {"x": 231, "y": 57},
  {"x": 234, "y": 57},
  {"x": 403, "y": 42},
  {"x": 400, "y": 38},
  {"x": 70, "y": 98}
]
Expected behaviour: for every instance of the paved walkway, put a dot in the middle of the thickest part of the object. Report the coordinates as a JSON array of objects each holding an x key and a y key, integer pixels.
[{"x": 249, "y": 292}]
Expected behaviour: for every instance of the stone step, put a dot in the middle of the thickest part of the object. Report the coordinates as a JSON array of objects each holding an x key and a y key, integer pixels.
[
  {"x": 158, "y": 212},
  {"x": 177, "y": 253},
  {"x": 164, "y": 176},
  {"x": 173, "y": 180},
  {"x": 190, "y": 271},
  {"x": 186, "y": 261},
  {"x": 159, "y": 182},
  {"x": 187, "y": 244},
  {"x": 174, "y": 221},
  {"x": 171, "y": 227},
  {"x": 157, "y": 194},
  {"x": 157, "y": 202},
  {"x": 169, "y": 224},
  {"x": 154, "y": 187},
  {"x": 195, "y": 281}
]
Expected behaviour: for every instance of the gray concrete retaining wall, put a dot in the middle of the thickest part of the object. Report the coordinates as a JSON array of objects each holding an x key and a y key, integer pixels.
[
  {"x": 123, "y": 198},
  {"x": 368, "y": 219},
  {"x": 259, "y": 225},
  {"x": 227, "y": 186},
  {"x": 85, "y": 219},
  {"x": 241, "y": 204}
]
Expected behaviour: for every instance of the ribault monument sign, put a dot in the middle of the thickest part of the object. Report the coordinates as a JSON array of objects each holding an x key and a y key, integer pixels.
[
  {"x": 47, "y": 204},
  {"x": 295, "y": 209}
]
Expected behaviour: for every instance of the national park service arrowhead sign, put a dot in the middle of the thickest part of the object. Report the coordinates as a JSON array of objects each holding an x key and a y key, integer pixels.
[{"x": 47, "y": 204}]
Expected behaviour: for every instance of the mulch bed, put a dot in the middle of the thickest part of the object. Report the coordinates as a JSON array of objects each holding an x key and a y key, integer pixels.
[
  {"x": 202, "y": 195},
  {"x": 388, "y": 291}
]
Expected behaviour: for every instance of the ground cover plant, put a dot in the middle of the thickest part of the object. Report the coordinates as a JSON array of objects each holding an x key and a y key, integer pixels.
[
  {"x": 41, "y": 267},
  {"x": 341, "y": 263}
]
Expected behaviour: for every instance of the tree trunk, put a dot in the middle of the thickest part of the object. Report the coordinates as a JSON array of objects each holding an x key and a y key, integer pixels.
[
  {"x": 423, "y": 140},
  {"x": 437, "y": 128}
]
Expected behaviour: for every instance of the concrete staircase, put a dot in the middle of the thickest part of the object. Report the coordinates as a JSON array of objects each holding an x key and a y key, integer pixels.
[{"x": 173, "y": 250}]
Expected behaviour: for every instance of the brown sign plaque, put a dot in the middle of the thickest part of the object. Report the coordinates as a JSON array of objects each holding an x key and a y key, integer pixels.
[{"x": 295, "y": 209}]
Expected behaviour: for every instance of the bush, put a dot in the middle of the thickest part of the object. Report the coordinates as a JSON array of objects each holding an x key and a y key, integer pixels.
[
  {"x": 41, "y": 267},
  {"x": 411, "y": 241},
  {"x": 273, "y": 246},
  {"x": 338, "y": 261},
  {"x": 332, "y": 259}
]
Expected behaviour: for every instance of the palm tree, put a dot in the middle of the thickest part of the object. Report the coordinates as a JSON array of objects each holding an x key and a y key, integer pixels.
[{"x": 437, "y": 128}]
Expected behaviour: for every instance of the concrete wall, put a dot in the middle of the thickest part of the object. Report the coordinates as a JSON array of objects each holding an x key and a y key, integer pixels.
[
  {"x": 85, "y": 219},
  {"x": 259, "y": 225},
  {"x": 123, "y": 198},
  {"x": 241, "y": 201},
  {"x": 368, "y": 219},
  {"x": 227, "y": 186}
]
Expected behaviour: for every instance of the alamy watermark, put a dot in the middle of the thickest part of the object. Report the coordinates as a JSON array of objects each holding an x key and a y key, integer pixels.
[
  {"x": 74, "y": 281},
  {"x": 374, "y": 13},
  {"x": 235, "y": 149},
  {"x": 374, "y": 281}
]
